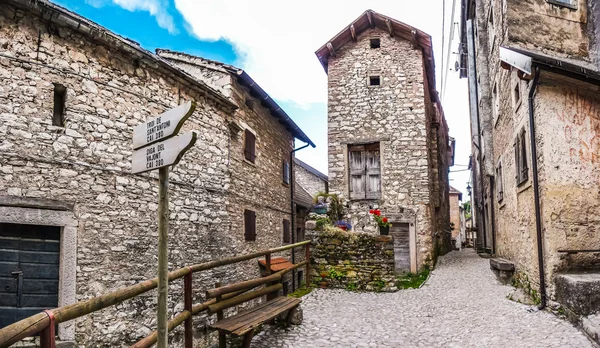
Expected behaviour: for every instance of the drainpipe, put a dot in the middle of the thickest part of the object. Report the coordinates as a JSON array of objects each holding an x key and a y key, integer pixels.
[
  {"x": 293, "y": 210},
  {"x": 536, "y": 193},
  {"x": 493, "y": 216}
]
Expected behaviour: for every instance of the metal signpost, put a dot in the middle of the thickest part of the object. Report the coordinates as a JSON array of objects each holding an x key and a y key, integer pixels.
[{"x": 157, "y": 147}]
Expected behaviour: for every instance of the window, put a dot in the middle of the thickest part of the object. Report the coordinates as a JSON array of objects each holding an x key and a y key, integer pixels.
[
  {"x": 521, "y": 168},
  {"x": 517, "y": 94},
  {"x": 572, "y": 4},
  {"x": 60, "y": 97},
  {"x": 374, "y": 80},
  {"x": 491, "y": 28},
  {"x": 375, "y": 43},
  {"x": 249, "y": 225},
  {"x": 286, "y": 231},
  {"x": 299, "y": 234},
  {"x": 286, "y": 172},
  {"x": 499, "y": 182},
  {"x": 365, "y": 171},
  {"x": 250, "y": 146}
]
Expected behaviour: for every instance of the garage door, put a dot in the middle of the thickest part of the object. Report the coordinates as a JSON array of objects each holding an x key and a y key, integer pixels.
[{"x": 29, "y": 267}]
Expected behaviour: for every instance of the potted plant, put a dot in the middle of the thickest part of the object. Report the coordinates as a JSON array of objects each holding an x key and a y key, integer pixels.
[{"x": 383, "y": 222}]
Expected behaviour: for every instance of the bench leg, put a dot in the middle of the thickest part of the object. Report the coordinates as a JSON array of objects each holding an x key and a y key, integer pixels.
[
  {"x": 290, "y": 314},
  {"x": 247, "y": 339},
  {"x": 222, "y": 340}
]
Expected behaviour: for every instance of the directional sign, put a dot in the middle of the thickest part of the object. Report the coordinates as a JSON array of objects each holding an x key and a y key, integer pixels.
[
  {"x": 165, "y": 153},
  {"x": 162, "y": 126}
]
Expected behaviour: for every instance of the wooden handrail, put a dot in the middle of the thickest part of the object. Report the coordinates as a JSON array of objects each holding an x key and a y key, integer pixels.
[
  {"x": 242, "y": 285},
  {"x": 38, "y": 322},
  {"x": 219, "y": 306}
]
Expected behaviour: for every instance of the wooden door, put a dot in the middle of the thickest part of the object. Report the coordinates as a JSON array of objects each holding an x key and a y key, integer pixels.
[
  {"x": 29, "y": 269},
  {"x": 400, "y": 233}
]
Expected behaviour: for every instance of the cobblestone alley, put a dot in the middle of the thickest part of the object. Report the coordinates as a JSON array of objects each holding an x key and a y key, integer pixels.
[{"x": 462, "y": 305}]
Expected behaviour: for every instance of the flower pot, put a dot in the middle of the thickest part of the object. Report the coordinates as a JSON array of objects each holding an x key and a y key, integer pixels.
[
  {"x": 384, "y": 231},
  {"x": 323, "y": 285},
  {"x": 320, "y": 210}
]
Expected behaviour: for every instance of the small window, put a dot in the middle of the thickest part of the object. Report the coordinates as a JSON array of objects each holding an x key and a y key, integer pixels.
[
  {"x": 496, "y": 101},
  {"x": 286, "y": 172},
  {"x": 249, "y": 225},
  {"x": 286, "y": 231},
  {"x": 522, "y": 171},
  {"x": 572, "y": 4},
  {"x": 364, "y": 172},
  {"x": 517, "y": 94},
  {"x": 374, "y": 80},
  {"x": 250, "y": 146},
  {"x": 300, "y": 234},
  {"x": 60, "y": 97},
  {"x": 499, "y": 182},
  {"x": 375, "y": 43}
]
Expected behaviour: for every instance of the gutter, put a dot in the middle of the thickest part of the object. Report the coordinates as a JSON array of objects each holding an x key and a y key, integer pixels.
[
  {"x": 293, "y": 211},
  {"x": 536, "y": 193}
]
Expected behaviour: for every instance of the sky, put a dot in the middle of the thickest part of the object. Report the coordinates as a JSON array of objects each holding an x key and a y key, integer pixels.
[{"x": 274, "y": 42}]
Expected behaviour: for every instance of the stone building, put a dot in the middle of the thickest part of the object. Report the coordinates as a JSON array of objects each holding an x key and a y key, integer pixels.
[
  {"x": 71, "y": 93},
  {"x": 455, "y": 215},
  {"x": 312, "y": 180},
  {"x": 388, "y": 138},
  {"x": 532, "y": 68}
]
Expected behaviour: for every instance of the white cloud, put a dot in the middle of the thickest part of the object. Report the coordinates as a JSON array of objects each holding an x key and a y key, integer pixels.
[
  {"x": 156, "y": 8},
  {"x": 276, "y": 40}
]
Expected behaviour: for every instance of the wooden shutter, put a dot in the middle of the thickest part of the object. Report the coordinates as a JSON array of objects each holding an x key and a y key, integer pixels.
[
  {"x": 373, "y": 171},
  {"x": 517, "y": 160},
  {"x": 357, "y": 179},
  {"x": 286, "y": 231},
  {"x": 249, "y": 225},
  {"x": 250, "y": 146}
]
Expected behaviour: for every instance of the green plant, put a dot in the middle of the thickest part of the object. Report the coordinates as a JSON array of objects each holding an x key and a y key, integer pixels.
[
  {"x": 305, "y": 290},
  {"x": 379, "y": 284},
  {"x": 412, "y": 280},
  {"x": 351, "y": 287},
  {"x": 321, "y": 220},
  {"x": 333, "y": 274}
]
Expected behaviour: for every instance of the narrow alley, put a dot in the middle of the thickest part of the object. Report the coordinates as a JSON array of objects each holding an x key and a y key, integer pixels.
[{"x": 461, "y": 305}]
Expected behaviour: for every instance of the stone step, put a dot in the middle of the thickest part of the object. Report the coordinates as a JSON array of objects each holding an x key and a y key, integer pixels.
[{"x": 579, "y": 292}]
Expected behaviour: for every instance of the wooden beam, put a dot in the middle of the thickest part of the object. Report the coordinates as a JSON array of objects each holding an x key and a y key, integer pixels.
[
  {"x": 353, "y": 32},
  {"x": 415, "y": 39},
  {"x": 331, "y": 50},
  {"x": 370, "y": 17},
  {"x": 388, "y": 23}
]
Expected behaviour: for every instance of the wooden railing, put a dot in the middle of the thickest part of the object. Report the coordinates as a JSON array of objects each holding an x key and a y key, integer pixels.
[{"x": 45, "y": 322}]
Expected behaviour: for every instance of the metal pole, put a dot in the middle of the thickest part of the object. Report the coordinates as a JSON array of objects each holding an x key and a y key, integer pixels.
[{"x": 163, "y": 245}]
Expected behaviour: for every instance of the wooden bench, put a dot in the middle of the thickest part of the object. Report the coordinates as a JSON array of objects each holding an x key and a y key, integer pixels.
[{"x": 244, "y": 323}]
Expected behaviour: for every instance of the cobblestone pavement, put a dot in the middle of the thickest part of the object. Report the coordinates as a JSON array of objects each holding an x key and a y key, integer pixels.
[{"x": 462, "y": 305}]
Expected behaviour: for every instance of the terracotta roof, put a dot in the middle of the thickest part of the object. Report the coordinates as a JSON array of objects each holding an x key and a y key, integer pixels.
[
  {"x": 311, "y": 170},
  {"x": 277, "y": 264},
  {"x": 302, "y": 197},
  {"x": 372, "y": 19},
  {"x": 255, "y": 90},
  {"x": 60, "y": 15}
]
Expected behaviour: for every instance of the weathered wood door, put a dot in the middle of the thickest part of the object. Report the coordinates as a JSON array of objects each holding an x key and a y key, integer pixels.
[
  {"x": 400, "y": 233},
  {"x": 29, "y": 269}
]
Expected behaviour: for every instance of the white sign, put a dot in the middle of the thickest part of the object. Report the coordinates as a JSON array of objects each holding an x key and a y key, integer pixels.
[
  {"x": 165, "y": 153},
  {"x": 162, "y": 126}
]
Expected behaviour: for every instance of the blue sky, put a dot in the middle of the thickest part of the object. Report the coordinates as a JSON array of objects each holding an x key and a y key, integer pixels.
[{"x": 275, "y": 41}]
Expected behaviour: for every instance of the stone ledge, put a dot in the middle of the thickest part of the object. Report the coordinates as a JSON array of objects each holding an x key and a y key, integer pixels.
[
  {"x": 579, "y": 292},
  {"x": 502, "y": 264}
]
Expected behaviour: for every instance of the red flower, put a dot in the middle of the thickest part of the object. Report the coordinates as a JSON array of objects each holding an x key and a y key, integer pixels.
[
  {"x": 385, "y": 220},
  {"x": 378, "y": 212},
  {"x": 371, "y": 211}
]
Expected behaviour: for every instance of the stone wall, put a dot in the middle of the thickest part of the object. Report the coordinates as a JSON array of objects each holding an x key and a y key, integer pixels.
[
  {"x": 353, "y": 261},
  {"x": 87, "y": 163},
  {"x": 399, "y": 115},
  {"x": 309, "y": 181},
  {"x": 455, "y": 214}
]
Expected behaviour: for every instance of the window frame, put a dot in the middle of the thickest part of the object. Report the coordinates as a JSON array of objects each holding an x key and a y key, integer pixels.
[
  {"x": 521, "y": 165},
  {"x": 373, "y": 76},
  {"x": 286, "y": 176},
  {"x": 375, "y": 41},
  {"x": 499, "y": 182},
  {"x": 364, "y": 171}
]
